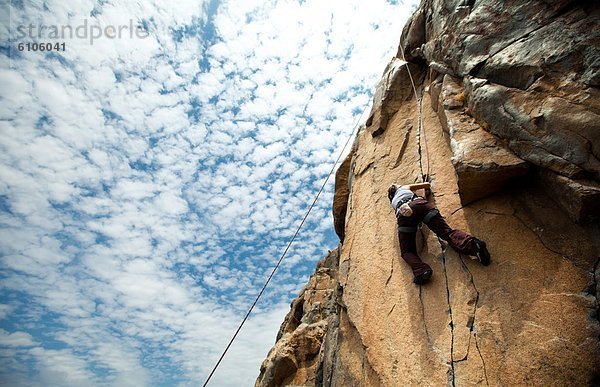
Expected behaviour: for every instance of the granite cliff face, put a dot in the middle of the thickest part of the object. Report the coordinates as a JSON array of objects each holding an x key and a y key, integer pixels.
[{"x": 509, "y": 130}]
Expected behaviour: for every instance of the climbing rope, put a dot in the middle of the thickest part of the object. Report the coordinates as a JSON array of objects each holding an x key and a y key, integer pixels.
[
  {"x": 287, "y": 247},
  {"x": 419, "y": 100}
]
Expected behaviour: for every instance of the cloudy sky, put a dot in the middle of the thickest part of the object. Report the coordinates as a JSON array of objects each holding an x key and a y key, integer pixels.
[{"x": 153, "y": 170}]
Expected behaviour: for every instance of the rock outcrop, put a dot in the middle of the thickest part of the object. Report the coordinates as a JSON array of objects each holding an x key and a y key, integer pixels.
[
  {"x": 340, "y": 196},
  {"x": 505, "y": 122},
  {"x": 482, "y": 164},
  {"x": 300, "y": 348}
]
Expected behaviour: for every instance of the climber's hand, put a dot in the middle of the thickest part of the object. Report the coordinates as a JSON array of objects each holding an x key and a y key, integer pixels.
[{"x": 398, "y": 216}]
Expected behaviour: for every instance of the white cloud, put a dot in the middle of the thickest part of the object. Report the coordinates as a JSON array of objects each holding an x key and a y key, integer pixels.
[
  {"x": 61, "y": 367},
  {"x": 16, "y": 339},
  {"x": 148, "y": 186}
]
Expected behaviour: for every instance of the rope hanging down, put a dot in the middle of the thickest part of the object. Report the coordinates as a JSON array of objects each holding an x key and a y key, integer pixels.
[
  {"x": 419, "y": 99},
  {"x": 287, "y": 248}
]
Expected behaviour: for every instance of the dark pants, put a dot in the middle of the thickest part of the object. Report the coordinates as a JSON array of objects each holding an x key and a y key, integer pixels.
[{"x": 460, "y": 241}]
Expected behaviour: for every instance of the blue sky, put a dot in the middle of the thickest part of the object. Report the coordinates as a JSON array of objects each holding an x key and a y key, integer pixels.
[{"x": 148, "y": 184}]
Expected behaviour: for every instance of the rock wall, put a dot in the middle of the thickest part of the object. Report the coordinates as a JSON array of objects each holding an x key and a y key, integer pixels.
[{"x": 506, "y": 126}]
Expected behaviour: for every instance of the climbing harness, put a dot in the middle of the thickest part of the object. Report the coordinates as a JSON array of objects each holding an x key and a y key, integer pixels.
[
  {"x": 287, "y": 247},
  {"x": 426, "y": 219},
  {"x": 433, "y": 212},
  {"x": 408, "y": 229}
]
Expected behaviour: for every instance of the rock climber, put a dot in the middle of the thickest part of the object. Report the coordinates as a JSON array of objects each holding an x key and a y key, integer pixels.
[{"x": 412, "y": 209}]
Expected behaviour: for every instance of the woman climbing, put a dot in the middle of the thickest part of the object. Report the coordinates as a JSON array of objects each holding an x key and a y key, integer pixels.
[{"x": 411, "y": 210}]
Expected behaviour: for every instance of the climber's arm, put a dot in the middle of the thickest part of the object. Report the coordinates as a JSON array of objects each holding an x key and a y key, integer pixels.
[{"x": 414, "y": 187}]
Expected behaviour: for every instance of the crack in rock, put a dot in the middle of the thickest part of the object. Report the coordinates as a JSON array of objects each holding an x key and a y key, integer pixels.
[
  {"x": 404, "y": 146},
  {"x": 391, "y": 310},
  {"x": 482, "y": 360},
  {"x": 363, "y": 368},
  {"x": 420, "y": 150},
  {"x": 498, "y": 213},
  {"x": 564, "y": 256},
  {"x": 451, "y": 370},
  {"x": 391, "y": 273},
  {"x": 365, "y": 169},
  {"x": 515, "y": 214},
  {"x": 472, "y": 317},
  {"x": 471, "y": 322}
]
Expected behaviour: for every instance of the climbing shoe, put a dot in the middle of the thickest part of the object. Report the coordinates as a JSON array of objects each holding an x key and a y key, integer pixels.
[
  {"x": 482, "y": 252},
  {"x": 422, "y": 278}
]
